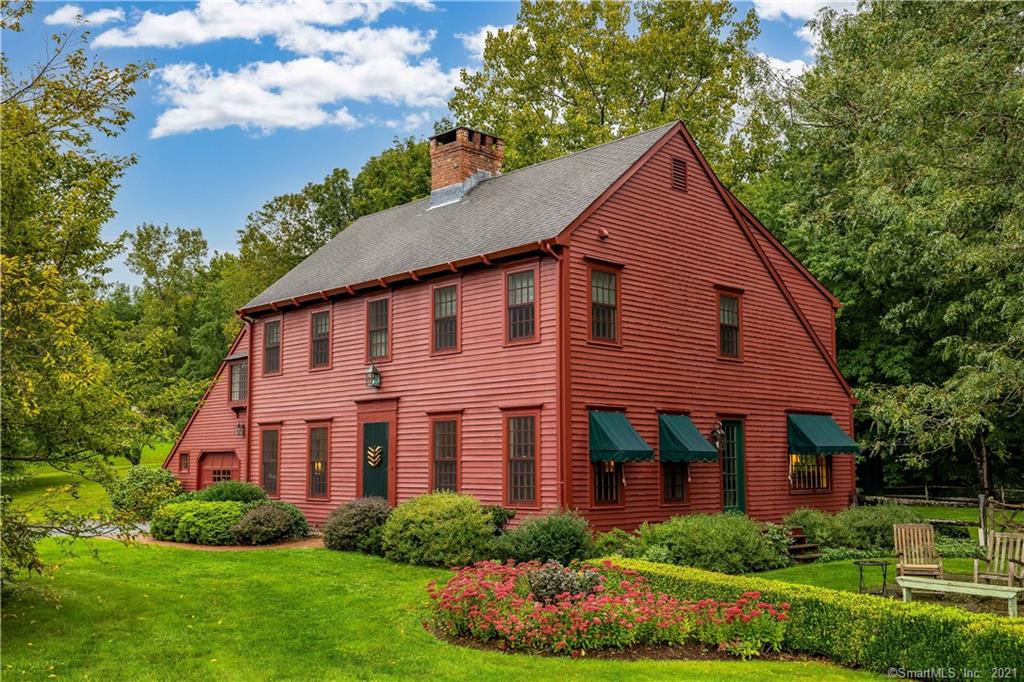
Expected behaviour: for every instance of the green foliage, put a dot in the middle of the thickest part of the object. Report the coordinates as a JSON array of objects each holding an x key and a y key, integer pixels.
[
  {"x": 500, "y": 517},
  {"x": 958, "y": 547},
  {"x": 143, "y": 489},
  {"x": 615, "y": 542},
  {"x": 561, "y": 536},
  {"x": 551, "y": 580},
  {"x": 357, "y": 525},
  {"x": 18, "y": 538},
  {"x": 730, "y": 543},
  {"x": 861, "y": 630},
  {"x": 231, "y": 491},
  {"x": 197, "y": 522},
  {"x": 816, "y": 524},
  {"x": 395, "y": 176},
  {"x": 439, "y": 529},
  {"x": 864, "y": 528},
  {"x": 297, "y": 527},
  {"x": 263, "y": 524},
  {"x": 571, "y": 76}
]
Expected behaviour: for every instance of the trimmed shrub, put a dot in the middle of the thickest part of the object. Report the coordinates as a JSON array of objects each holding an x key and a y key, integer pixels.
[
  {"x": 561, "y": 536},
  {"x": 615, "y": 542},
  {"x": 357, "y": 525},
  {"x": 262, "y": 525},
  {"x": 298, "y": 526},
  {"x": 552, "y": 580},
  {"x": 202, "y": 523},
  {"x": 439, "y": 529},
  {"x": 231, "y": 491},
  {"x": 499, "y": 517},
  {"x": 183, "y": 497},
  {"x": 729, "y": 543},
  {"x": 859, "y": 629},
  {"x": 143, "y": 489}
]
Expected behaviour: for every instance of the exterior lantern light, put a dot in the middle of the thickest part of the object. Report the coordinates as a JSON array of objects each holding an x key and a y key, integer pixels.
[
  {"x": 717, "y": 435},
  {"x": 239, "y": 428},
  {"x": 372, "y": 376}
]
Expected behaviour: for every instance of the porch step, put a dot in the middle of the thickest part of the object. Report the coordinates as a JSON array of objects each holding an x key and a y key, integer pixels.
[
  {"x": 805, "y": 558},
  {"x": 801, "y": 551}
]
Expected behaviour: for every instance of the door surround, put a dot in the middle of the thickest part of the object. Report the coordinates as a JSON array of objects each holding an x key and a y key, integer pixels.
[{"x": 370, "y": 411}]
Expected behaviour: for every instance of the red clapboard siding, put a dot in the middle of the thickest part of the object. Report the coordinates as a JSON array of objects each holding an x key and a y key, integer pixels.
[
  {"x": 211, "y": 427},
  {"x": 675, "y": 248},
  {"x": 481, "y": 379}
]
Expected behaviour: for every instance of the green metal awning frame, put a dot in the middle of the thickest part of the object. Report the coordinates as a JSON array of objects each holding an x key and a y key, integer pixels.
[
  {"x": 613, "y": 439},
  {"x": 818, "y": 434},
  {"x": 680, "y": 441}
]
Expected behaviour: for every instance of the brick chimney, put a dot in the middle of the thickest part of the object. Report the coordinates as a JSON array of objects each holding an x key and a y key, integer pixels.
[{"x": 460, "y": 158}]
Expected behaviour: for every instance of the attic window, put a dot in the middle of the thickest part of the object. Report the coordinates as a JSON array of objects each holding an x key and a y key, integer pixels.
[{"x": 679, "y": 174}]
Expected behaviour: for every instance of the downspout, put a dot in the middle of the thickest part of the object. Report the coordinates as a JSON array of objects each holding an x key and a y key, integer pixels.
[
  {"x": 248, "y": 407},
  {"x": 564, "y": 384}
]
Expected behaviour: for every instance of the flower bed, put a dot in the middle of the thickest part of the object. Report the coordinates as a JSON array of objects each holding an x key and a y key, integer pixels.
[{"x": 613, "y": 608}]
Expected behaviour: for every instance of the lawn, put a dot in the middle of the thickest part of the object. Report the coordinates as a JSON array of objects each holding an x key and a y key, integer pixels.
[
  {"x": 843, "y": 575},
  {"x": 44, "y": 480},
  {"x": 157, "y": 613}
]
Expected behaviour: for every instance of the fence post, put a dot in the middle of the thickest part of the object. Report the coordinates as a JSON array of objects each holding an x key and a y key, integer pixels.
[{"x": 982, "y": 530}]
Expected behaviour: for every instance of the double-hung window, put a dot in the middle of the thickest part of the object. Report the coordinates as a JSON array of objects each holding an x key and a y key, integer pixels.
[
  {"x": 446, "y": 318},
  {"x": 239, "y": 376},
  {"x": 521, "y": 304},
  {"x": 318, "y": 460},
  {"x": 604, "y": 304},
  {"x": 810, "y": 472},
  {"x": 270, "y": 444},
  {"x": 377, "y": 344},
  {"x": 728, "y": 325},
  {"x": 272, "y": 347},
  {"x": 320, "y": 339},
  {"x": 444, "y": 447},
  {"x": 521, "y": 453}
]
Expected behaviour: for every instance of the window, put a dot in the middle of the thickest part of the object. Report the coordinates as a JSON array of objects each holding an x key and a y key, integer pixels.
[
  {"x": 318, "y": 461},
  {"x": 809, "y": 472},
  {"x": 607, "y": 476},
  {"x": 269, "y": 460},
  {"x": 272, "y": 347},
  {"x": 239, "y": 381},
  {"x": 320, "y": 333},
  {"x": 728, "y": 326},
  {"x": 520, "y": 300},
  {"x": 673, "y": 481},
  {"x": 444, "y": 435},
  {"x": 521, "y": 451},
  {"x": 679, "y": 174},
  {"x": 183, "y": 462},
  {"x": 219, "y": 475},
  {"x": 604, "y": 300},
  {"x": 377, "y": 329},
  {"x": 446, "y": 337}
]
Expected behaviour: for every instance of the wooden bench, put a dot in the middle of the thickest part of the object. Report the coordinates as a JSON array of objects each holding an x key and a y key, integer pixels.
[{"x": 1010, "y": 594}]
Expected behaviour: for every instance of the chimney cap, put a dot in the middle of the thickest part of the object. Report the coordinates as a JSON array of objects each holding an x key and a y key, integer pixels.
[{"x": 450, "y": 134}]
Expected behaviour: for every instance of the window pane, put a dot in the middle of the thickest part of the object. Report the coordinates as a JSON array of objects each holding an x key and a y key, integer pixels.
[
  {"x": 321, "y": 339},
  {"x": 603, "y": 304},
  {"x": 445, "y": 318},
  {"x": 378, "y": 328},
  {"x": 521, "y": 310},
  {"x": 445, "y": 455},
  {"x": 674, "y": 479},
  {"x": 183, "y": 461},
  {"x": 268, "y": 459},
  {"x": 522, "y": 445},
  {"x": 239, "y": 375},
  {"x": 606, "y": 482},
  {"x": 729, "y": 326},
  {"x": 272, "y": 346},
  {"x": 318, "y": 461},
  {"x": 809, "y": 472}
]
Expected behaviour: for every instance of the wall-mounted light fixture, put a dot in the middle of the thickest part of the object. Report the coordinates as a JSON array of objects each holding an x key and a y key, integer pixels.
[
  {"x": 239, "y": 428},
  {"x": 372, "y": 376},
  {"x": 717, "y": 435}
]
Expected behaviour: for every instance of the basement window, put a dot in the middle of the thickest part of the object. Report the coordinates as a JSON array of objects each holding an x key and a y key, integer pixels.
[{"x": 679, "y": 174}]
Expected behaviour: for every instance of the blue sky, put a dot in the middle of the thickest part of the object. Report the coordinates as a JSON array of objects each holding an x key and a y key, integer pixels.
[{"x": 251, "y": 100}]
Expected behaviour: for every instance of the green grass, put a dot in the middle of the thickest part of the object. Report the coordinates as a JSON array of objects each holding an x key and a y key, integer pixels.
[
  {"x": 155, "y": 613},
  {"x": 843, "y": 575},
  {"x": 45, "y": 481},
  {"x": 950, "y": 513}
]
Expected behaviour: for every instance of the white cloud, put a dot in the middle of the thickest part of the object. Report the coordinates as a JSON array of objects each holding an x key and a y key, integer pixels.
[
  {"x": 293, "y": 94},
  {"x": 789, "y": 69},
  {"x": 812, "y": 38},
  {"x": 475, "y": 42},
  {"x": 69, "y": 15},
  {"x": 411, "y": 121},
  {"x": 796, "y": 9}
]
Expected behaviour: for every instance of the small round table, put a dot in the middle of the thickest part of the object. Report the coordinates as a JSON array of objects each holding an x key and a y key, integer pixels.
[{"x": 861, "y": 563}]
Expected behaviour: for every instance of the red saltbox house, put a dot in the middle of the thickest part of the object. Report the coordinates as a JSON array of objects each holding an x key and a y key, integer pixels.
[{"x": 611, "y": 331}]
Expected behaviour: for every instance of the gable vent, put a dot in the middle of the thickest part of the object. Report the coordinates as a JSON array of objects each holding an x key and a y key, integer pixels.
[{"x": 679, "y": 174}]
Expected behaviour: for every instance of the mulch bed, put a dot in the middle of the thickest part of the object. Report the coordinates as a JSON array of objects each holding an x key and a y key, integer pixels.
[
  {"x": 690, "y": 651},
  {"x": 291, "y": 544}
]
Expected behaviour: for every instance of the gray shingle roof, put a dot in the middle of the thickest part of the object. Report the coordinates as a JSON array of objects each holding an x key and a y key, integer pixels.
[{"x": 510, "y": 210}]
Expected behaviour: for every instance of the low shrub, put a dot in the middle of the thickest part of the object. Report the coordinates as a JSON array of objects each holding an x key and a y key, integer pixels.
[
  {"x": 231, "y": 491},
  {"x": 859, "y": 629},
  {"x": 202, "y": 523},
  {"x": 729, "y": 543},
  {"x": 870, "y": 527},
  {"x": 439, "y": 529},
  {"x": 816, "y": 525},
  {"x": 615, "y": 542},
  {"x": 553, "y": 580},
  {"x": 848, "y": 554},
  {"x": 561, "y": 536},
  {"x": 357, "y": 525},
  {"x": 950, "y": 529},
  {"x": 965, "y": 549},
  {"x": 499, "y": 517},
  {"x": 183, "y": 497},
  {"x": 495, "y": 602},
  {"x": 143, "y": 489},
  {"x": 271, "y": 521}
]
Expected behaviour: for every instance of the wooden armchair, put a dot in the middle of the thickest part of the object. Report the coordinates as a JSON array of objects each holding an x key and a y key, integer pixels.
[
  {"x": 915, "y": 548},
  {"x": 1005, "y": 560}
]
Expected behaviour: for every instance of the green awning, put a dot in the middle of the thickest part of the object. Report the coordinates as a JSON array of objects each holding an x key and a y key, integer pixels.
[
  {"x": 818, "y": 434},
  {"x": 680, "y": 441},
  {"x": 613, "y": 439}
]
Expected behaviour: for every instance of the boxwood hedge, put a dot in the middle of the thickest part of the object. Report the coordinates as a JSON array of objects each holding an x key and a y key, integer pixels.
[{"x": 859, "y": 629}]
